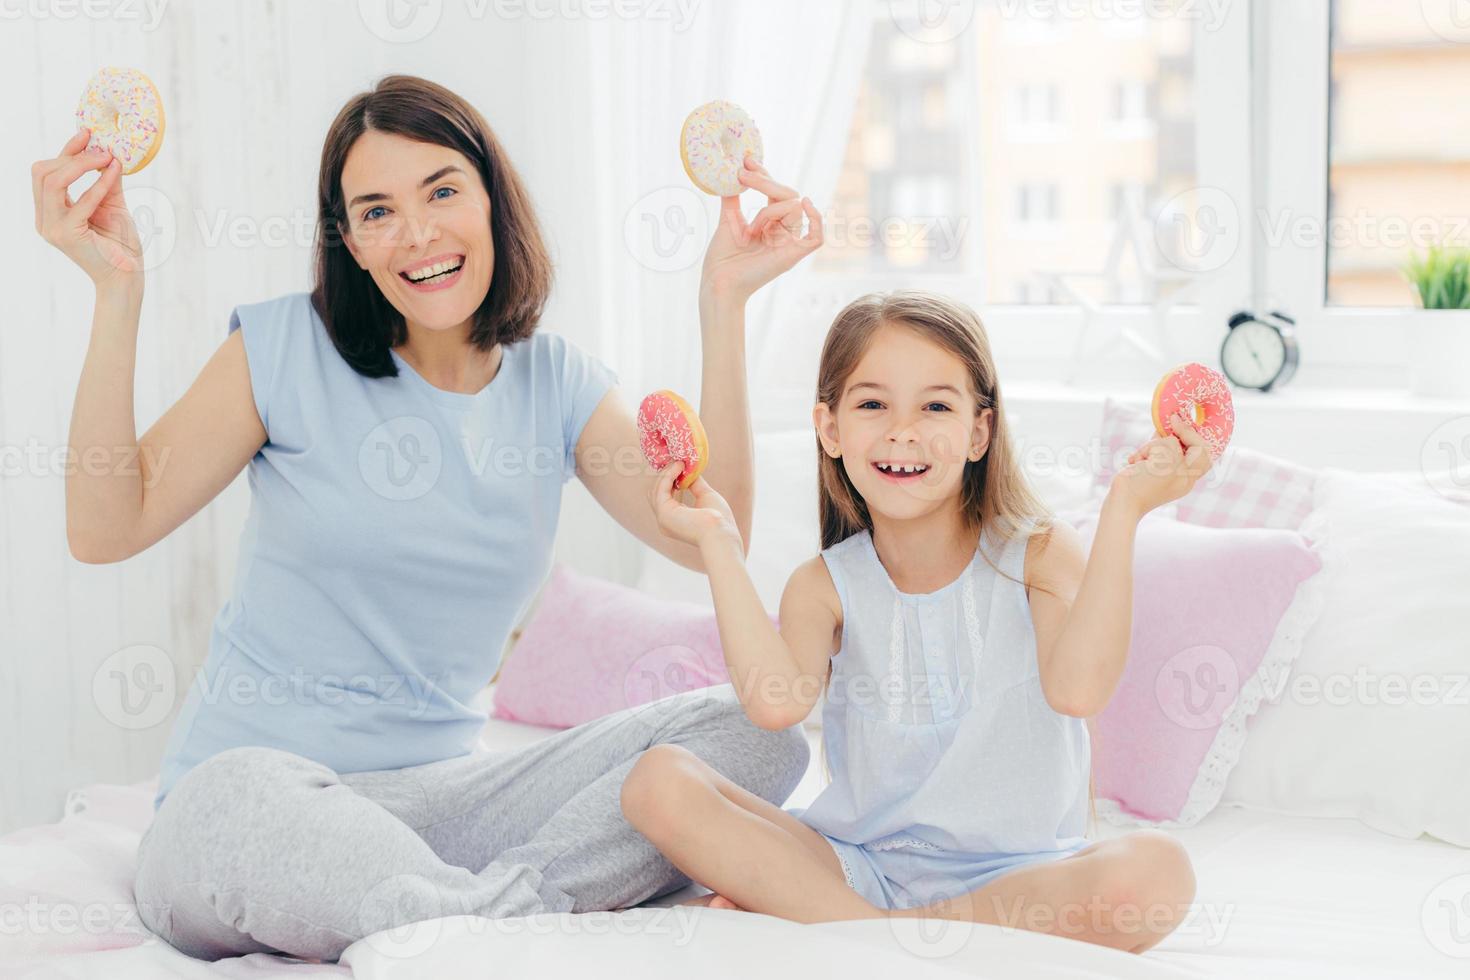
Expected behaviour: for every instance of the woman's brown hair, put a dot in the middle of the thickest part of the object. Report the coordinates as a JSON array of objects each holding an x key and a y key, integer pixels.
[
  {"x": 994, "y": 492},
  {"x": 361, "y": 322}
]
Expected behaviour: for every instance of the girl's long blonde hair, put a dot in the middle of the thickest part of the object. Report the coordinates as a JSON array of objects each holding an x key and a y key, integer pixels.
[{"x": 994, "y": 492}]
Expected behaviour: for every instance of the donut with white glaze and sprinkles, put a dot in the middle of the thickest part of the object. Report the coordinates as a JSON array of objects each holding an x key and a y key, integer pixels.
[
  {"x": 713, "y": 144},
  {"x": 124, "y": 112}
]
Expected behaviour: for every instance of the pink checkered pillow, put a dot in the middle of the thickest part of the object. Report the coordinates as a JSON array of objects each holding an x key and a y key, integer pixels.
[{"x": 1244, "y": 488}]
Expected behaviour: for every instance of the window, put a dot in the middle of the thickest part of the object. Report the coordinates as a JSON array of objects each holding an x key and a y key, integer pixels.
[
  {"x": 1361, "y": 113},
  {"x": 1130, "y": 101},
  {"x": 971, "y": 132},
  {"x": 1036, "y": 203},
  {"x": 1036, "y": 110},
  {"x": 1269, "y": 156},
  {"x": 1399, "y": 155}
]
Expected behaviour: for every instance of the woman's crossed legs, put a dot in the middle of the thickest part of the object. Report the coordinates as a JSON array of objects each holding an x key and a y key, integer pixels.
[{"x": 260, "y": 850}]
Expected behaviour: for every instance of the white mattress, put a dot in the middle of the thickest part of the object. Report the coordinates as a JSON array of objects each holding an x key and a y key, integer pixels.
[{"x": 1279, "y": 896}]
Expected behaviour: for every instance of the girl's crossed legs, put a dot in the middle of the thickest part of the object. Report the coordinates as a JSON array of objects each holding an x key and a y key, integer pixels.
[{"x": 1126, "y": 893}]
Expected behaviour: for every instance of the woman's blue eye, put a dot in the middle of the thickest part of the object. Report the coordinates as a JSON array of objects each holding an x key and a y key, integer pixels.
[
  {"x": 370, "y": 213},
  {"x": 436, "y": 196},
  {"x": 867, "y": 403},
  {"x": 939, "y": 405}
]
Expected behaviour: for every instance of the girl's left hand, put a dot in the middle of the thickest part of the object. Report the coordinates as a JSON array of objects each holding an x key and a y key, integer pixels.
[
  {"x": 1162, "y": 469},
  {"x": 742, "y": 257},
  {"x": 707, "y": 519}
]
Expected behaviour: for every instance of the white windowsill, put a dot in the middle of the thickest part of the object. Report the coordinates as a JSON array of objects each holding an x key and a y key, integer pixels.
[{"x": 1290, "y": 398}]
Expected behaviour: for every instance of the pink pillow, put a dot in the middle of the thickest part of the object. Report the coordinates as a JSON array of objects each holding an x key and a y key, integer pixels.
[
  {"x": 594, "y": 647},
  {"x": 1244, "y": 488},
  {"x": 1218, "y": 620}
]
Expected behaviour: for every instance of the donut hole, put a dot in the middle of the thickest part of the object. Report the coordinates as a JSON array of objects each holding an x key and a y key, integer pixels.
[{"x": 730, "y": 146}]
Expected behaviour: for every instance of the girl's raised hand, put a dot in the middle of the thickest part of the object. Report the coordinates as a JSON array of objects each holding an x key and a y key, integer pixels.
[
  {"x": 95, "y": 231},
  {"x": 742, "y": 257},
  {"x": 707, "y": 519},
  {"x": 1164, "y": 469}
]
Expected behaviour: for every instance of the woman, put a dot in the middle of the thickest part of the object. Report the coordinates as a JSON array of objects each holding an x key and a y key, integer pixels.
[{"x": 317, "y": 786}]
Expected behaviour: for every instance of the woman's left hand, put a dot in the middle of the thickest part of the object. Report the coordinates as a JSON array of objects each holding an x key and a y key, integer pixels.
[
  {"x": 742, "y": 257},
  {"x": 1163, "y": 469}
]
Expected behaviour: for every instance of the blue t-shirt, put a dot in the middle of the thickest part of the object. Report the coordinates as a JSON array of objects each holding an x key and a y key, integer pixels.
[{"x": 396, "y": 533}]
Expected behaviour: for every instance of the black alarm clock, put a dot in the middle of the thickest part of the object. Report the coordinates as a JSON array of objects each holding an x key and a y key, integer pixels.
[{"x": 1259, "y": 352}]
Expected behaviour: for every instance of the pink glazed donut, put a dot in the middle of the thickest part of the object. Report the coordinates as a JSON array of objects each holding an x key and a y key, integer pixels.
[
  {"x": 671, "y": 431},
  {"x": 1202, "y": 395}
]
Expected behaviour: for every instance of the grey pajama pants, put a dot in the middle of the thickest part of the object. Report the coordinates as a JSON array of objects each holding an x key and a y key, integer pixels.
[{"x": 260, "y": 850}]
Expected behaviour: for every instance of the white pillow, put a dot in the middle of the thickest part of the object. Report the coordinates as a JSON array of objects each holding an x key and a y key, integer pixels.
[{"x": 1374, "y": 720}]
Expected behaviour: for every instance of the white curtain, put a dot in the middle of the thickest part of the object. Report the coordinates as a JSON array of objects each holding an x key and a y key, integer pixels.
[
  {"x": 796, "y": 69},
  {"x": 628, "y": 229}
]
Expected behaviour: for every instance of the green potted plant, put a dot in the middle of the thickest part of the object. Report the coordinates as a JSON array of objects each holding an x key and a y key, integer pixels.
[{"x": 1439, "y": 339}]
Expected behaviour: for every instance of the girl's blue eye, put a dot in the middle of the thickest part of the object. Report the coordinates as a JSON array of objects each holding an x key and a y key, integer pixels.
[
  {"x": 371, "y": 215},
  {"x": 939, "y": 405},
  {"x": 867, "y": 403},
  {"x": 436, "y": 196}
]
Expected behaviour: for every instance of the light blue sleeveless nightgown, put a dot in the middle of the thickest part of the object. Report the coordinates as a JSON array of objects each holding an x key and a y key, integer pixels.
[{"x": 949, "y": 767}]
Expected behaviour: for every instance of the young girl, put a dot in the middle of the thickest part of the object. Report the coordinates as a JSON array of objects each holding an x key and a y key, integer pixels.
[{"x": 961, "y": 637}]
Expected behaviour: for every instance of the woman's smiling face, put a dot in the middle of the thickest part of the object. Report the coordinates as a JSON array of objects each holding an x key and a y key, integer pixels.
[{"x": 418, "y": 221}]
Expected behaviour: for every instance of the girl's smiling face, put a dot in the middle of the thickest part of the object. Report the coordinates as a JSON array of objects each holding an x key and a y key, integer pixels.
[
  {"x": 905, "y": 425},
  {"x": 418, "y": 222}
]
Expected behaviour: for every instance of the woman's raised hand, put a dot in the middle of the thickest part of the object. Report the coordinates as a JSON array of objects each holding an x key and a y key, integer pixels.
[
  {"x": 744, "y": 256},
  {"x": 95, "y": 231}
]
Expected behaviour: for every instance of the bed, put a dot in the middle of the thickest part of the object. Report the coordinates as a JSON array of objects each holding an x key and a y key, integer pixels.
[{"x": 1278, "y": 896}]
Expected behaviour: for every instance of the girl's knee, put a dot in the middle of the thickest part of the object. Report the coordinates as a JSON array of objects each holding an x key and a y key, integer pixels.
[
  {"x": 1150, "y": 884},
  {"x": 1163, "y": 866}
]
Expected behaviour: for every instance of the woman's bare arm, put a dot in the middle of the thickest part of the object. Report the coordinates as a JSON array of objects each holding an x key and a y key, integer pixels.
[{"x": 123, "y": 494}]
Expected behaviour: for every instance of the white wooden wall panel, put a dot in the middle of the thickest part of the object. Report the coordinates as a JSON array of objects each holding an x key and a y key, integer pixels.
[{"x": 249, "y": 89}]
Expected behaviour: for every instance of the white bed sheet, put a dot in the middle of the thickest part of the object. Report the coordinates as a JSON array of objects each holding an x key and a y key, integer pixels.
[{"x": 1279, "y": 896}]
